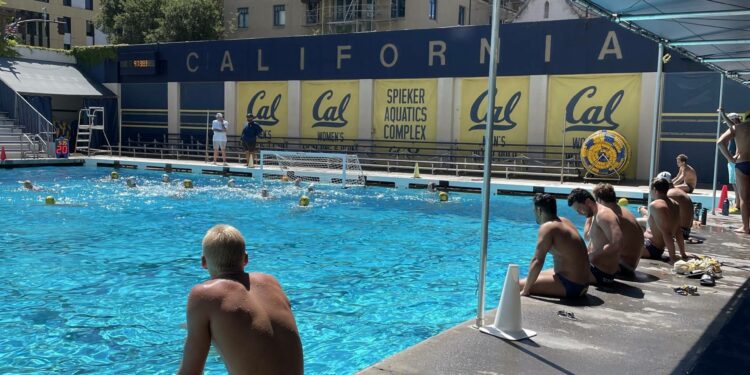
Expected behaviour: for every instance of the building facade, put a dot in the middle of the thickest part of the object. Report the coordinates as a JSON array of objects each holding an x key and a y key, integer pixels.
[
  {"x": 274, "y": 18},
  {"x": 71, "y": 22}
]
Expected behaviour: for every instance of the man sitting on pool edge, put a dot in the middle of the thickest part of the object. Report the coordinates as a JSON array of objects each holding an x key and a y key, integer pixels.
[
  {"x": 571, "y": 274},
  {"x": 247, "y": 316}
]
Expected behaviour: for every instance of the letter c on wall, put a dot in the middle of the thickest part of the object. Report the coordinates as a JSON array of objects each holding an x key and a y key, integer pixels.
[
  {"x": 382, "y": 55},
  {"x": 190, "y": 68}
]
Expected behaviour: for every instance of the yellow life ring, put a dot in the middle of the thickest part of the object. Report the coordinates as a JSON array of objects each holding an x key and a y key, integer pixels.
[{"x": 605, "y": 153}]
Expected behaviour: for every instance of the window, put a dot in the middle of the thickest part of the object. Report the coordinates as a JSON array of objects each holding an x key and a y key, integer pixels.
[
  {"x": 461, "y": 15},
  {"x": 279, "y": 15},
  {"x": 89, "y": 28},
  {"x": 313, "y": 7},
  {"x": 68, "y": 25},
  {"x": 90, "y": 4},
  {"x": 398, "y": 8},
  {"x": 546, "y": 10},
  {"x": 433, "y": 9},
  {"x": 66, "y": 3},
  {"x": 242, "y": 18}
]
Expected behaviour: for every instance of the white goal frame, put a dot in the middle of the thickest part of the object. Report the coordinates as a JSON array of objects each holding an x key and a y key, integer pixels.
[{"x": 333, "y": 168}]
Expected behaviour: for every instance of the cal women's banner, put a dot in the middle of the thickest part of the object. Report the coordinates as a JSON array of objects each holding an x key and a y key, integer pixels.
[
  {"x": 511, "y": 111},
  {"x": 330, "y": 113},
  {"x": 268, "y": 101},
  {"x": 583, "y": 104},
  {"x": 405, "y": 110}
]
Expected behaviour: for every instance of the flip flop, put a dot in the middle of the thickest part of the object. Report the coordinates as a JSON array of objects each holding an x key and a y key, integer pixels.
[
  {"x": 707, "y": 280},
  {"x": 568, "y": 315},
  {"x": 694, "y": 241}
]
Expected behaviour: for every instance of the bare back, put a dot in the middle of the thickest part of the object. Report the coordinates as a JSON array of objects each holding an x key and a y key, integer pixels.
[
  {"x": 569, "y": 251},
  {"x": 690, "y": 176},
  {"x": 253, "y": 328},
  {"x": 654, "y": 233},
  {"x": 632, "y": 236},
  {"x": 605, "y": 255},
  {"x": 685, "y": 206}
]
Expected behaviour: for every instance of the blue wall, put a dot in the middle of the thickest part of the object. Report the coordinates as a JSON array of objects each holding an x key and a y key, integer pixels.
[
  {"x": 575, "y": 49},
  {"x": 197, "y": 99},
  {"x": 144, "y": 112},
  {"x": 688, "y": 122}
]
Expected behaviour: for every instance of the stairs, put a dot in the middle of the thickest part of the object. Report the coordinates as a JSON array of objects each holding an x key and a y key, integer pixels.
[{"x": 17, "y": 144}]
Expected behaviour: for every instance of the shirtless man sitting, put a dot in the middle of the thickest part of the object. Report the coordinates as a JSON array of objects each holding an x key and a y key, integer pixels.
[
  {"x": 741, "y": 160},
  {"x": 559, "y": 236},
  {"x": 686, "y": 178},
  {"x": 632, "y": 234},
  {"x": 685, "y": 213},
  {"x": 662, "y": 223},
  {"x": 246, "y": 316},
  {"x": 603, "y": 227}
]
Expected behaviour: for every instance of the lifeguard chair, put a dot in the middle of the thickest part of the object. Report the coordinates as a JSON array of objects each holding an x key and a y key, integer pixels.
[{"x": 87, "y": 124}]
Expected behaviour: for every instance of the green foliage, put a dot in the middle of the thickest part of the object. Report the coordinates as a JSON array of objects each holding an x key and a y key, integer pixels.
[
  {"x": 6, "y": 42},
  {"x": 145, "y": 21},
  {"x": 92, "y": 55},
  {"x": 187, "y": 20}
]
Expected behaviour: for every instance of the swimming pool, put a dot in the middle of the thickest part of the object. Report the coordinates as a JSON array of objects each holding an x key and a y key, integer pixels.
[{"x": 99, "y": 283}]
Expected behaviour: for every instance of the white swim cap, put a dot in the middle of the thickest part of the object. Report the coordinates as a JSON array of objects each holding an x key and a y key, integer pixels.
[{"x": 665, "y": 176}]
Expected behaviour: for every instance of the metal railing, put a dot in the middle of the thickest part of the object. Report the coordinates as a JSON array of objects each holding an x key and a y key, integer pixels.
[
  {"x": 28, "y": 119},
  {"x": 439, "y": 158}
]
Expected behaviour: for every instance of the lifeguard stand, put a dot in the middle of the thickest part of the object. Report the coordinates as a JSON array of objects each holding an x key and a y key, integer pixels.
[{"x": 87, "y": 123}]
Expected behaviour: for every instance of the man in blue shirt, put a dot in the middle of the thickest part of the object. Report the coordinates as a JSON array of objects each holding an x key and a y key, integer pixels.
[{"x": 249, "y": 138}]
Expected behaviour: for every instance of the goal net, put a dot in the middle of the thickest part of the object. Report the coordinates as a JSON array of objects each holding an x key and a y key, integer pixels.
[{"x": 311, "y": 166}]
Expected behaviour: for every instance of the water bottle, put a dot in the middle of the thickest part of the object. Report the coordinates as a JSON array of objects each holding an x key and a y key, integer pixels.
[
  {"x": 697, "y": 210},
  {"x": 704, "y": 215},
  {"x": 725, "y": 207}
]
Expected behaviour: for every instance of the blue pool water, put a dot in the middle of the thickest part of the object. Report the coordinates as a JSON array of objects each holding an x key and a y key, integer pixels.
[{"x": 99, "y": 283}]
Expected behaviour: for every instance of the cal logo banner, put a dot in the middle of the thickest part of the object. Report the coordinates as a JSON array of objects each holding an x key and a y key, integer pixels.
[
  {"x": 330, "y": 114},
  {"x": 583, "y": 104},
  {"x": 268, "y": 101},
  {"x": 510, "y": 115},
  {"x": 405, "y": 110}
]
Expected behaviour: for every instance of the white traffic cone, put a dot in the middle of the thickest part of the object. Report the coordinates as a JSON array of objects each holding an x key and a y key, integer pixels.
[
  {"x": 416, "y": 171},
  {"x": 507, "y": 323}
]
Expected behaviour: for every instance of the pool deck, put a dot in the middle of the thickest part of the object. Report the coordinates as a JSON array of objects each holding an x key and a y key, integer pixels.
[
  {"x": 400, "y": 180},
  {"x": 638, "y": 326}
]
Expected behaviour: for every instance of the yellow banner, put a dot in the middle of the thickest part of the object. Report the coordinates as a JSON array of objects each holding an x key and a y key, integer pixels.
[
  {"x": 330, "y": 114},
  {"x": 268, "y": 101},
  {"x": 405, "y": 110},
  {"x": 511, "y": 111},
  {"x": 586, "y": 103}
]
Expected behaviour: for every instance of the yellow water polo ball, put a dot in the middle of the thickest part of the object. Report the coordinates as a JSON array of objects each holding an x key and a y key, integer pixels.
[
  {"x": 443, "y": 196},
  {"x": 49, "y": 200},
  {"x": 622, "y": 202},
  {"x": 304, "y": 201},
  {"x": 187, "y": 184},
  {"x": 114, "y": 175}
]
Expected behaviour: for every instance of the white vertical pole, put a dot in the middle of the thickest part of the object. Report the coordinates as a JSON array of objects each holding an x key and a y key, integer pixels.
[
  {"x": 716, "y": 153},
  {"x": 343, "y": 181},
  {"x": 119, "y": 121},
  {"x": 208, "y": 124},
  {"x": 488, "y": 159},
  {"x": 657, "y": 114}
]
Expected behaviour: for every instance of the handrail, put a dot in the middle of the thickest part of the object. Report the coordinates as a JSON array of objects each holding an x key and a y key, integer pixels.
[
  {"x": 30, "y": 143},
  {"x": 46, "y": 145}
]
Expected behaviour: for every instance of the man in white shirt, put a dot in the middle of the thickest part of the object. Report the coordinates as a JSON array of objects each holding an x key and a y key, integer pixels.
[{"x": 219, "y": 127}]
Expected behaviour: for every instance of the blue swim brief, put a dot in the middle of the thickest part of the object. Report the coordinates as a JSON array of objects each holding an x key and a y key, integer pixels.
[{"x": 572, "y": 289}]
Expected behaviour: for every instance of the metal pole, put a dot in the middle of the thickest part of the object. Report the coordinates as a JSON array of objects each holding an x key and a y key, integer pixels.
[
  {"x": 657, "y": 113},
  {"x": 208, "y": 124},
  {"x": 562, "y": 160},
  {"x": 488, "y": 159},
  {"x": 716, "y": 153},
  {"x": 119, "y": 120}
]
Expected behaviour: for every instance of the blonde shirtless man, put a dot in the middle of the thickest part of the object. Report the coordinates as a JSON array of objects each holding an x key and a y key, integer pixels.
[
  {"x": 247, "y": 317},
  {"x": 741, "y": 160}
]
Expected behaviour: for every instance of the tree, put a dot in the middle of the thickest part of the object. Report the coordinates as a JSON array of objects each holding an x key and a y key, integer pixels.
[
  {"x": 129, "y": 21},
  {"x": 146, "y": 21},
  {"x": 187, "y": 20},
  {"x": 7, "y": 41}
]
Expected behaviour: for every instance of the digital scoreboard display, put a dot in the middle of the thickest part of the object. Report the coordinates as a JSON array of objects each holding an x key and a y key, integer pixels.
[{"x": 132, "y": 65}]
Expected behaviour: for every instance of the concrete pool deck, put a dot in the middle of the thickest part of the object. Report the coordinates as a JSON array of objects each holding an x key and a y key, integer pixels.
[{"x": 638, "y": 326}]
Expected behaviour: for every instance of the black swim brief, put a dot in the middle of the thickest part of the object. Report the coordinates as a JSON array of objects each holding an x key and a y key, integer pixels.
[
  {"x": 744, "y": 167},
  {"x": 653, "y": 251},
  {"x": 601, "y": 276},
  {"x": 572, "y": 289}
]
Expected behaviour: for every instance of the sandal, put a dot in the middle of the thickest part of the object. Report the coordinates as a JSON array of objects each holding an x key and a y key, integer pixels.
[
  {"x": 693, "y": 241},
  {"x": 565, "y": 314}
]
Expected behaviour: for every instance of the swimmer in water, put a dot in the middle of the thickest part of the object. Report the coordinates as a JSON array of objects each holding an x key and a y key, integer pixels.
[
  {"x": 231, "y": 183},
  {"x": 264, "y": 193},
  {"x": 431, "y": 187},
  {"x": 297, "y": 181},
  {"x": 311, "y": 188},
  {"x": 131, "y": 182},
  {"x": 165, "y": 178}
]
